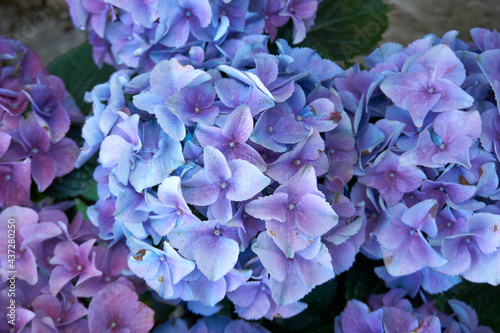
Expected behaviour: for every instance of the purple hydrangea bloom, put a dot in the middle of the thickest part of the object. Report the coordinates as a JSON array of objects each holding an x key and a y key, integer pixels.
[
  {"x": 392, "y": 179},
  {"x": 51, "y": 313},
  {"x": 404, "y": 246},
  {"x": 170, "y": 208},
  {"x": 179, "y": 18},
  {"x": 221, "y": 182},
  {"x": 211, "y": 244},
  {"x": 161, "y": 270},
  {"x": 448, "y": 141},
  {"x": 117, "y": 308},
  {"x": 231, "y": 139},
  {"x": 25, "y": 261},
  {"x": 429, "y": 82},
  {"x": 471, "y": 252},
  {"x": 293, "y": 278},
  {"x": 296, "y": 213},
  {"x": 48, "y": 160},
  {"x": 72, "y": 260},
  {"x": 308, "y": 152}
]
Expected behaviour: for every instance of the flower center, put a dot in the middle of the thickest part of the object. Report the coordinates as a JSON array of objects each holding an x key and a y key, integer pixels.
[
  {"x": 197, "y": 110},
  {"x": 8, "y": 177},
  {"x": 419, "y": 129},
  {"x": 79, "y": 268},
  {"x": 299, "y": 118},
  {"x": 270, "y": 129},
  {"x": 448, "y": 224},
  {"x": 34, "y": 150},
  {"x": 441, "y": 188},
  {"x": 291, "y": 206},
  {"x": 196, "y": 161},
  {"x": 188, "y": 13},
  {"x": 232, "y": 144},
  {"x": 468, "y": 240},
  {"x": 113, "y": 325},
  {"x": 297, "y": 162},
  {"x": 223, "y": 185},
  {"x": 107, "y": 279},
  {"x": 223, "y": 12},
  {"x": 263, "y": 288},
  {"x": 179, "y": 212},
  {"x": 332, "y": 151},
  {"x": 412, "y": 232},
  {"x": 217, "y": 232},
  {"x": 245, "y": 215},
  {"x": 266, "y": 17},
  {"x": 58, "y": 320},
  {"x": 392, "y": 175}
]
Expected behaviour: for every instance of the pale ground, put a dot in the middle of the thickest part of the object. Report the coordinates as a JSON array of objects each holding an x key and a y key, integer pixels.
[{"x": 46, "y": 27}]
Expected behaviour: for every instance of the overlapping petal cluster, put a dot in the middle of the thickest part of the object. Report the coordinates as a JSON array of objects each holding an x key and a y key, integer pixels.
[
  {"x": 426, "y": 119},
  {"x": 35, "y": 115},
  {"x": 225, "y": 177},
  {"x": 138, "y": 33},
  {"x": 391, "y": 312},
  {"x": 228, "y": 171},
  {"x": 58, "y": 262},
  {"x": 49, "y": 262}
]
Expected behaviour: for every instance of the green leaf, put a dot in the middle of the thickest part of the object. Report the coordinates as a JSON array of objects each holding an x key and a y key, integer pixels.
[
  {"x": 484, "y": 298},
  {"x": 162, "y": 310},
  {"x": 80, "y": 74},
  {"x": 76, "y": 183},
  {"x": 82, "y": 208},
  {"x": 346, "y": 28},
  {"x": 316, "y": 315},
  {"x": 361, "y": 281}
]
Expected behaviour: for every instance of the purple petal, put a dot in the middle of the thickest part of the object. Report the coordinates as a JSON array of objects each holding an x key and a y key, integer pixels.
[
  {"x": 246, "y": 181},
  {"x": 271, "y": 207},
  {"x": 314, "y": 216},
  {"x": 216, "y": 167},
  {"x": 239, "y": 125},
  {"x": 216, "y": 256}
]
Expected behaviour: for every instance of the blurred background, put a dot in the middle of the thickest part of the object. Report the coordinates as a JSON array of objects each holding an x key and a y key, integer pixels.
[{"x": 45, "y": 25}]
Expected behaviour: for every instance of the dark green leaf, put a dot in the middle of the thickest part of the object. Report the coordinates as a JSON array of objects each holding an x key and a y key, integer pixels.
[
  {"x": 484, "y": 298},
  {"x": 361, "y": 281},
  {"x": 79, "y": 73},
  {"x": 82, "y": 208},
  {"x": 76, "y": 183},
  {"x": 346, "y": 28},
  {"x": 162, "y": 310},
  {"x": 316, "y": 315}
]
